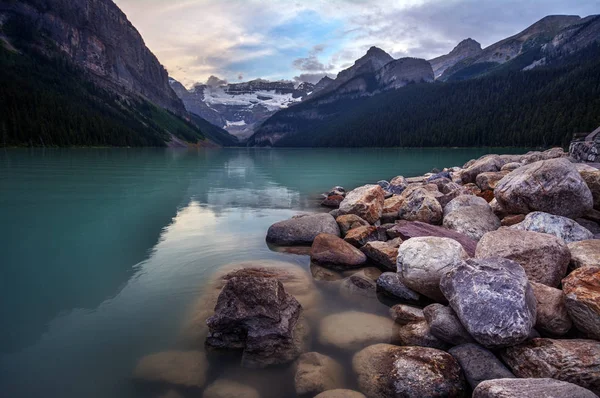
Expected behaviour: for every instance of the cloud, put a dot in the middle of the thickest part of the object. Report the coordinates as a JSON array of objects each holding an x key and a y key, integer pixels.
[{"x": 312, "y": 63}]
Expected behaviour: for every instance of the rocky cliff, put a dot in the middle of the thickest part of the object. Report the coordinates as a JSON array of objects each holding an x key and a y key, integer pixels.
[
  {"x": 97, "y": 36},
  {"x": 465, "y": 49}
]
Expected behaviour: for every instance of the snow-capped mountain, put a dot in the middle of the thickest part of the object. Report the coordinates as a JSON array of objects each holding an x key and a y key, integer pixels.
[{"x": 239, "y": 107}]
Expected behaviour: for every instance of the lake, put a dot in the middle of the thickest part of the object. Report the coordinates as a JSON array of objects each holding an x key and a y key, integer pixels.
[{"x": 103, "y": 251}]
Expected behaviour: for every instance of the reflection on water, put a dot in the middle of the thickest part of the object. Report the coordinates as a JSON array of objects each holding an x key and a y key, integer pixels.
[{"x": 103, "y": 250}]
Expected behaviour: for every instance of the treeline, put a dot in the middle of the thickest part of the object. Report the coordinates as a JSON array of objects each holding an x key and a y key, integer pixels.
[{"x": 541, "y": 107}]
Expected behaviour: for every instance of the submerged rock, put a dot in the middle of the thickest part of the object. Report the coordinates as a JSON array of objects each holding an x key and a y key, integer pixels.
[
  {"x": 552, "y": 315},
  {"x": 585, "y": 253},
  {"x": 339, "y": 393},
  {"x": 561, "y": 227},
  {"x": 366, "y": 202},
  {"x": 552, "y": 186},
  {"x": 177, "y": 368},
  {"x": 359, "y": 286},
  {"x": 544, "y": 257},
  {"x": 316, "y": 373},
  {"x": 582, "y": 299},
  {"x": 575, "y": 361},
  {"x": 256, "y": 315},
  {"x": 390, "y": 284},
  {"x": 224, "y": 388},
  {"x": 493, "y": 300},
  {"x": 530, "y": 388},
  {"x": 473, "y": 221},
  {"x": 352, "y": 330},
  {"x": 423, "y": 261},
  {"x": 302, "y": 230},
  {"x": 445, "y": 325},
  {"x": 331, "y": 250},
  {"x": 479, "y": 364},
  {"x": 407, "y": 230},
  {"x": 385, "y": 370}
]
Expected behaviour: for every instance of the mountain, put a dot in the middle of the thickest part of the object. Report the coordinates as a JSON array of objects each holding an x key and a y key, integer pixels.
[
  {"x": 79, "y": 73},
  {"x": 239, "y": 107},
  {"x": 465, "y": 49},
  {"x": 322, "y": 84}
]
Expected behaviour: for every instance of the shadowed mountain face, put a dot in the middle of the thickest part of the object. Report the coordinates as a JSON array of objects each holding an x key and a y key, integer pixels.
[{"x": 465, "y": 49}]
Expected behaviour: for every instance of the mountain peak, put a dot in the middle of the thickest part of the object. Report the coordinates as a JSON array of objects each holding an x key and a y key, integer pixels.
[
  {"x": 468, "y": 44},
  {"x": 214, "y": 81}
]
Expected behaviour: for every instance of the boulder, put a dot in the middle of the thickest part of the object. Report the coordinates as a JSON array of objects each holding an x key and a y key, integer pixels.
[
  {"x": 350, "y": 221},
  {"x": 544, "y": 257},
  {"x": 403, "y": 314},
  {"x": 332, "y": 201},
  {"x": 224, "y": 388},
  {"x": 488, "y": 195},
  {"x": 419, "y": 334},
  {"x": 530, "y": 388},
  {"x": 358, "y": 287},
  {"x": 463, "y": 201},
  {"x": 512, "y": 220},
  {"x": 561, "y": 227},
  {"x": 302, "y": 230},
  {"x": 337, "y": 190},
  {"x": 489, "y": 180},
  {"x": 324, "y": 274},
  {"x": 256, "y": 315},
  {"x": 553, "y": 186},
  {"x": 511, "y": 166},
  {"x": 328, "y": 249},
  {"x": 582, "y": 298},
  {"x": 575, "y": 361},
  {"x": 385, "y": 370},
  {"x": 493, "y": 300},
  {"x": 472, "y": 189},
  {"x": 177, "y": 368},
  {"x": 552, "y": 316},
  {"x": 352, "y": 330},
  {"x": 445, "y": 325},
  {"x": 390, "y": 284},
  {"x": 366, "y": 202},
  {"x": 407, "y": 230},
  {"x": 585, "y": 253},
  {"x": 482, "y": 165},
  {"x": 473, "y": 221},
  {"x": 423, "y": 261},
  {"x": 339, "y": 393},
  {"x": 498, "y": 209},
  {"x": 397, "y": 185},
  {"x": 479, "y": 364},
  {"x": 316, "y": 373},
  {"x": 591, "y": 226},
  {"x": 420, "y": 204},
  {"x": 392, "y": 205},
  {"x": 360, "y": 236},
  {"x": 382, "y": 253},
  {"x": 592, "y": 180}
]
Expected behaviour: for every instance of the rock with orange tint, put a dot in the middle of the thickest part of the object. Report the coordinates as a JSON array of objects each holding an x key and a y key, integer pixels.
[
  {"x": 350, "y": 221},
  {"x": 488, "y": 181},
  {"x": 328, "y": 249},
  {"x": 392, "y": 205},
  {"x": 512, "y": 219},
  {"x": 582, "y": 298},
  {"x": 360, "y": 236},
  {"x": 585, "y": 253},
  {"x": 366, "y": 202}
]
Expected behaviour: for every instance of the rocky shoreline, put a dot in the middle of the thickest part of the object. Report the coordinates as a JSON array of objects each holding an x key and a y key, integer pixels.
[{"x": 491, "y": 272}]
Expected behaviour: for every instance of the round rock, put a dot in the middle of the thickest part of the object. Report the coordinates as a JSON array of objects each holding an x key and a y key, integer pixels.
[
  {"x": 561, "y": 227},
  {"x": 530, "y": 388},
  {"x": 328, "y": 249},
  {"x": 224, "y": 388},
  {"x": 473, "y": 221},
  {"x": 316, "y": 373},
  {"x": 339, "y": 393},
  {"x": 302, "y": 230},
  {"x": 354, "y": 330},
  {"x": 177, "y": 368}
]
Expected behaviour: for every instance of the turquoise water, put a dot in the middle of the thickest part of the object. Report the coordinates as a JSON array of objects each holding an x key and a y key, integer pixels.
[{"x": 102, "y": 251}]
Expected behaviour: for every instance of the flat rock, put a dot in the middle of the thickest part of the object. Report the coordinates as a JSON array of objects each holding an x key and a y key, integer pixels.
[
  {"x": 385, "y": 370},
  {"x": 585, "y": 253},
  {"x": 403, "y": 314},
  {"x": 423, "y": 261},
  {"x": 530, "y": 388},
  {"x": 552, "y": 316},
  {"x": 464, "y": 201},
  {"x": 581, "y": 289},
  {"x": 445, "y": 325},
  {"x": 419, "y": 334},
  {"x": 339, "y": 393},
  {"x": 316, "y": 373},
  {"x": 224, "y": 388},
  {"x": 575, "y": 361},
  {"x": 302, "y": 230},
  {"x": 366, "y": 202},
  {"x": 493, "y": 300},
  {"x": 406, "y": 230},
  {"x": 382, "y": 253},
  {"x": 479, "y": 364},
  {"x": 561, "y": 227},
  {"x": 544, "y": 257},
  {"x": 328, "y": 249},
  {"x": 353, "y": 330},
  {"x": 177, "y": 368},
  {"x": 350, "y": 221},
  {"x": 390, "y": 284},
  {"x": 473, "y": 221},
  {"x": 360, "y": 236},
  {"x": 553, "y": 186}
]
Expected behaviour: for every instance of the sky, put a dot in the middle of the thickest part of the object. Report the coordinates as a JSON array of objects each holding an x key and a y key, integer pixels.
[{"x": 241, "y": 40}]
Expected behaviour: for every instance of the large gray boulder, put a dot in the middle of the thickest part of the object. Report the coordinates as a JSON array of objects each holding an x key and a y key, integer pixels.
[
  {"x": 445, "y": 325},
  {"x": 316, "y": 373},
  {"x": 544, "y": 257},
  {"x": 464, "y": 201},
  {"x": 385, "y": 370},
  {"x": 575, "y": 361},
  {"x": 530, "y": 388},
  {"x": 553, "y": 186},
  {"x": 302, "y": 230},
  {"x": 330, "y": 250},
  {"x": 256, "y": 315},
  {"x": 493, "y": 300},
  {"x": 561, "y": 227},
  {"x": 479, "y": 364},
  {"x": 473, "y": 221},
  {"x": 582, "y": 299},
  {"x": 552, "y": 315},
  {"x": 423, "y": 261},
  {"x": 366, "y": 202},
  {"x": 420, "y": 204}
]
